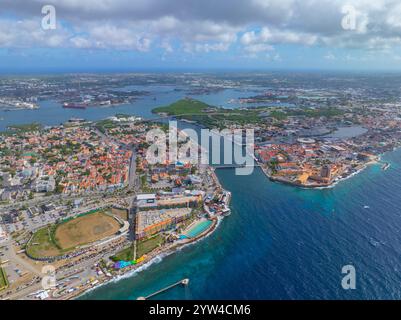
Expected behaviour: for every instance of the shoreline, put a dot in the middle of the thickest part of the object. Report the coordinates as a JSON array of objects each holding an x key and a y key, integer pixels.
[
  {"x": 155, "y": 258},
  {"x": 159, "y": 254},
  {"x": 321, "y": 186},
  {"x": 158, "y": 257}
]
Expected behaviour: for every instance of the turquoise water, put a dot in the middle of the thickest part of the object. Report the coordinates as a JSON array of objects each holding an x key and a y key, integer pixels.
[
  {"x": 279, "y": 242},
  {"x": 199, "y": 228},
  {"x": 282, "y": 242}
]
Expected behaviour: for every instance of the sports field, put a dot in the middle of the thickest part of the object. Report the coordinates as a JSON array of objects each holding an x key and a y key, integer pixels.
[
  {"x": 85, "y": 229},
  {"x": 58, "y": 239}
]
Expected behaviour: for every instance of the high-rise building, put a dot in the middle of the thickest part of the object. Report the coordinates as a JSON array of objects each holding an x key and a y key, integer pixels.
[{"x": 326, "y": 172}]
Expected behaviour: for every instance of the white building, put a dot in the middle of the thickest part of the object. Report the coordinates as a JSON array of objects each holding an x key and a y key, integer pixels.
[{"x": 3, "y": 235}]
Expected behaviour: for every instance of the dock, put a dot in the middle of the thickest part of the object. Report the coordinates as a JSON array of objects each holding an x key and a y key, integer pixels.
[{"x": 183, "y": 282}]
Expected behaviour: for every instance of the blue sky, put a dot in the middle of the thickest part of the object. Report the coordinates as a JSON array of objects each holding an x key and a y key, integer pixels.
[{"x": 118, "y": 35}]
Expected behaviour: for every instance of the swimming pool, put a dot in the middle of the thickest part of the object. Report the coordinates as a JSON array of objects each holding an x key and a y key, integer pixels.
[{"x": 198, "y": 229}]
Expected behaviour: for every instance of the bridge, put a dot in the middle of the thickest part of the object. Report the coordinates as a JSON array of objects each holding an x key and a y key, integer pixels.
[{"x": 233, "y": 166}]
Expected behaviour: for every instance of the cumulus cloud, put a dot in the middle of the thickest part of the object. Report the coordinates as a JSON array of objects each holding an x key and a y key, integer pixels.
[{"x": 203, "y": 26}]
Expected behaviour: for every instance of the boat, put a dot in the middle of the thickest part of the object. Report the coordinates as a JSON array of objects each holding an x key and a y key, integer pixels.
[
  {"x": 385, "y": 166},
  {"x": 68, "y": 105},
  {"x": 226, "y": 212}
]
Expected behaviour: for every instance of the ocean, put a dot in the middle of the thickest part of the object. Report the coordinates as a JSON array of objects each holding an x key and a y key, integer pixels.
[{"x": 282, "y": 242}]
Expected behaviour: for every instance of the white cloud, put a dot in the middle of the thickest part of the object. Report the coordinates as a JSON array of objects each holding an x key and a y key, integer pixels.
[
  {"x": 203, "y": 25},
  {"x": 330, "y": 56}
]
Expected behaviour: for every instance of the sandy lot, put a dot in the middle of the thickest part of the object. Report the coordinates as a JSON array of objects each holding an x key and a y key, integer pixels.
[{"x": 86, "y": 229}]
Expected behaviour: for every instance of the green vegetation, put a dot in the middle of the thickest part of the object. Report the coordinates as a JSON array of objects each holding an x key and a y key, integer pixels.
[
  {"x": 21, "y": 128},
  {"x": 126, "y": 254},
  {"x": 278, "y": 115},
  {"x": 214, "y": 117},
  {"x": 43, "y": 244},
  {"x": 183, "y": 107},
  {"x": 102, "y": 125},
  {"x": 143, "y": 247},
  {"x": 26, "y": 127},
  {"x": 209, "y": 116},
  {"x": 3, "y": 279},
  {"x": 306, "y": 112},
  {"x": 148, "y": 245}
]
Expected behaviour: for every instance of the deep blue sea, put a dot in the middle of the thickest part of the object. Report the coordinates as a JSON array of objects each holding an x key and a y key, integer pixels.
[{"x": 280, "y": 242}]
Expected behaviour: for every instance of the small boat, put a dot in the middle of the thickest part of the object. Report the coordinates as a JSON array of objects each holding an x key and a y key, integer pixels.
[
  {"x": 385, "y": 166},
  {"x": 374, "y": 242},
  {"x": 366, "y": 207}
]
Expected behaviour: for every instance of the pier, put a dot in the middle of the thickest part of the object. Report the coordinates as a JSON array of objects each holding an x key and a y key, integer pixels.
[{"x": 183, "y": 282}]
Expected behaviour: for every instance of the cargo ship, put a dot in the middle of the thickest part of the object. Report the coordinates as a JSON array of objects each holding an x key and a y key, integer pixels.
[{"x": 68, "y": 105}]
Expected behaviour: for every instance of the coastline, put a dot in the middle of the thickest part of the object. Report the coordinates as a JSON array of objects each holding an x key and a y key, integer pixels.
[
  {"x": 154, "y": 258},
  {"x": 157, "y": 255},
  {"x": 329, "y": 185}
]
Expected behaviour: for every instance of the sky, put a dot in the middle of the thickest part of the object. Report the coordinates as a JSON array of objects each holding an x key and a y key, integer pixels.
[{"x": 130, "y": 35}]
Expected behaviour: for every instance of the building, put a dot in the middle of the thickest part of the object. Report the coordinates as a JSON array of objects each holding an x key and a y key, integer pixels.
[
  {"x": 146, "y": 200},
  {"x": 195, "y": 179},
  {"x": 325, "y": 172},
  {"x": 3, "y": 234},
  {"x": 11, "y": 217},
  {"x": 148, "y": 223},
  {"x": 45, "y": 184}
]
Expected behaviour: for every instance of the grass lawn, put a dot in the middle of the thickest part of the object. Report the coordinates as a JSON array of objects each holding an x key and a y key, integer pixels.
[
  {"x": 42, "y": 244},
  {"x": 126, "y": 254},
  {"x": 143, "y": 247},
  {"x": 146, "y": 246},
  {"x": 3, "y": 279}
]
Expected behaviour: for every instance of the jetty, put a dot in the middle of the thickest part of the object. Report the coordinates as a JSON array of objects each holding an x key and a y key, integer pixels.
[{"x": 183, "y": 282}]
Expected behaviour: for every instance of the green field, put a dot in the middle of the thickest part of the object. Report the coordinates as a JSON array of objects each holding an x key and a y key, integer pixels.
[
  {"x": 209, "y": 116},
  {"x": 43, "y": 244},
  {"x": 183, "y": 107},
  {"x": 146, "y": 246},
  {"x": 3, "y": 279},
  {"x": 65, "y": 236},
  {"x": 143, "y": 247},
  {"x": 26, "y": 127},
  {"x": 306, "y": 112},
  {"x": 215, "y": 117}
]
